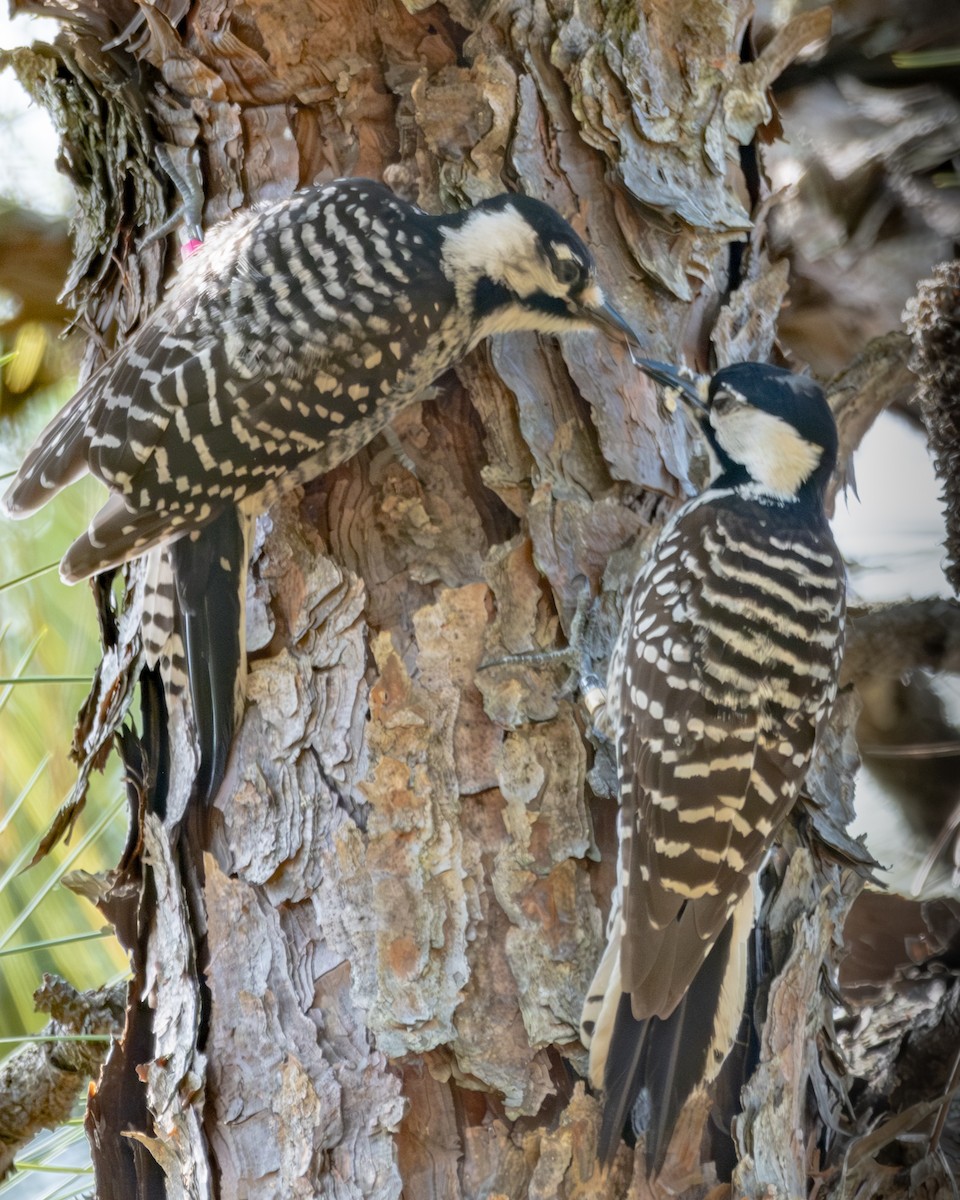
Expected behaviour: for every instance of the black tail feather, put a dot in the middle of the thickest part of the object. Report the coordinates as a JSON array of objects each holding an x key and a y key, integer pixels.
[
  {"x": 623, "y": 1076},
  {"x": 208, "y": 568},
  {"x": 654, "y": 1065}
]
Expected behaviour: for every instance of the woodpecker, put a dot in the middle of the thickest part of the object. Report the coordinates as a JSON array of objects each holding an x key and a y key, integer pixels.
[
  {"x": 285, "y": 344},
  {"x": 723, "y": 673}
]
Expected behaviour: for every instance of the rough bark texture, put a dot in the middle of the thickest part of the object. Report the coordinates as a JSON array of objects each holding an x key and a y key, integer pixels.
[
  {"x": 41, "y": 1082},
  {"x": 365, "y": 975},
  {"x": 934, "y": 320}
]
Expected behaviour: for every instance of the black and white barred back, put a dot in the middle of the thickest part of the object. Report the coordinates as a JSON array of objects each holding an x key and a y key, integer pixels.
[
  {"x": 285, "y": 344},
  {"x": 722, "y": 676}
]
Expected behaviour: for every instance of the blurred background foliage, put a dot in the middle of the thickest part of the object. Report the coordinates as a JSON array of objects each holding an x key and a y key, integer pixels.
[
  {"x": 47, "y": 631},
  {"x": 56, "y": 1166}
]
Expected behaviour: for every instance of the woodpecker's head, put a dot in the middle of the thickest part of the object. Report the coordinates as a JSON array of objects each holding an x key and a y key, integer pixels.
[
  {"x": 767, "y": 427},
  {"x": 517, "y": 264}
]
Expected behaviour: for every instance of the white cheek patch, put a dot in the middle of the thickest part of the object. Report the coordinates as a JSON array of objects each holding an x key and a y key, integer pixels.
[
  {"x": 774, "y": 454},
  {"x": 503, "y": 246},
  {"x": 490, "y": 243}
]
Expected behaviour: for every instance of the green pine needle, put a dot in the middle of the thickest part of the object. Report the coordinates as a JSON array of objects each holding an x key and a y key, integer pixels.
[
  {"x": 918, "y": 60},
  {"x": 16, "y": 680},
  {"x": 49, "y": 943},
  {"x": 55, "y": 1037},
  {"x": 12, "y": 583}
]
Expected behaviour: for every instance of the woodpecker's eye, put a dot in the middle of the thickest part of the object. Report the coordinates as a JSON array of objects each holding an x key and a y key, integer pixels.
[
  {"x": 724, "y": 401},
  {"x": 567, "y": 271}
]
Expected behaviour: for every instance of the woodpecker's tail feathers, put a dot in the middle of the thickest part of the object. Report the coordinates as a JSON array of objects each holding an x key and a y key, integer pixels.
[
  {"x": 600, "y": 1006},
  {"x": 686, "y": 1051},
  {"x": 623, "y": 1075},
  {"x": 58, "y": 457},
  {"x": 615, "y": 1038},
  {"x": 651, "y": 1066},
  {"x": 158, "y": 623},
  {"x": 208, "y": 568}
]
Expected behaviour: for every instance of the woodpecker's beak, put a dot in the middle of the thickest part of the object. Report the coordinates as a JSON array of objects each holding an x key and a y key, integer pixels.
[
  {"x": 595, "y": 307},
  {"x": 609, "y": 320},
  {"x": 690, "y": 386}
]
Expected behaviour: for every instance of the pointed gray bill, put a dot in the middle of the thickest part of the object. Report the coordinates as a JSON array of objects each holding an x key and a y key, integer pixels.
[
  {"x": 688, "y": 384},
  {"x": 608, "y": 319},
  {"x": 593, "y": 305}
]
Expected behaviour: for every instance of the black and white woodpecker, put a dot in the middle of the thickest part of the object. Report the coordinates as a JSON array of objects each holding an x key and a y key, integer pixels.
[
  {"x": 723, "y": 673},
  {"x": 283, "y": 346}
]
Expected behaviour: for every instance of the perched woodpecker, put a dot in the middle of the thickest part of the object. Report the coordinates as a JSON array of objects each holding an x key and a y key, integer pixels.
[
  {"x": 284, "y": 345},
  {"x": 723, "y": 674}
]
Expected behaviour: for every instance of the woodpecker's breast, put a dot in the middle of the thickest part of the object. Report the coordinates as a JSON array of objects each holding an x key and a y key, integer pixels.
[
  {"x": 740, "y": 606},
  {"x": 724, "y": 671}
]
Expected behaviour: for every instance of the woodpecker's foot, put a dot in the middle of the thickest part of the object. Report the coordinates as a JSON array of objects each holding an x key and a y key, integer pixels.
[
  {"x": 581, "y": 676},
  {"x": 392, "y": 438},
  {"x": 187, "y": 179}
]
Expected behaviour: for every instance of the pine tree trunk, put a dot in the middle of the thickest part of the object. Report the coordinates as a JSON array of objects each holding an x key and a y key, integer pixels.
[{"x": 366, "y": 977}]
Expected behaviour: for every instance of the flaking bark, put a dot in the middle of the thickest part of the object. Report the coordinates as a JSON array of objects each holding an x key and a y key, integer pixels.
[
  {"x": 42, "y": 1081},
  {"x": 933, "y": 317},
  {"x": 363, "y": 973}
]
